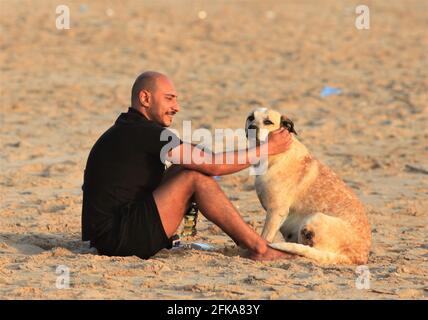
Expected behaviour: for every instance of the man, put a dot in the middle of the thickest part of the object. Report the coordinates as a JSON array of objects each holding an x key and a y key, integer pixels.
[{"x": 130, "y": 207}]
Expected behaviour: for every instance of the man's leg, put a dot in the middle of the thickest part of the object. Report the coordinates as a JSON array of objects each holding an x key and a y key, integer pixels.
[{"x": 172, "y": 199}]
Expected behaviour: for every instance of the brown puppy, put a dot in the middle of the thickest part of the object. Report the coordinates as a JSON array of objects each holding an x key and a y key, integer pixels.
[{"x": 318, "y": 215}]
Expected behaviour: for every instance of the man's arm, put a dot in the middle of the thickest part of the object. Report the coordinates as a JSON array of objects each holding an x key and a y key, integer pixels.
[
  {"x": 217, "y": 164},
  {"x": 214, "y": 164}
]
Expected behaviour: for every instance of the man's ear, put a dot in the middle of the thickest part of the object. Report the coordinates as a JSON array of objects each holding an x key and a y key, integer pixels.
[
  {"x": 144, "y": 97},
  {"x": 288, "y": 124}
]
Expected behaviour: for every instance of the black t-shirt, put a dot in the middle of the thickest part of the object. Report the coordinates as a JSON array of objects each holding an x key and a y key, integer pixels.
[{"x": 122, "y": 167}]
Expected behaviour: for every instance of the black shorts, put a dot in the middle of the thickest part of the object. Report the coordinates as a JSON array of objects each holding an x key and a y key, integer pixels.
[{"x": 137, "y": 230}]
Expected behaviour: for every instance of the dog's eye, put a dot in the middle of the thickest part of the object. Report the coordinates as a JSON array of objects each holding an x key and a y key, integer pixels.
[
  {"x": 267, "y": 122},
  {"x": 251, "y": 118}
]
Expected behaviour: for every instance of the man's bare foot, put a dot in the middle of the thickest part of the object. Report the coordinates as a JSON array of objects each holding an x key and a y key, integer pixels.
[{"x": 271, "y": 254}]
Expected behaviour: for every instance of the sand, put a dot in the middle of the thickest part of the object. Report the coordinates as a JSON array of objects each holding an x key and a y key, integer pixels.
[{"x": 60, "y": 89}]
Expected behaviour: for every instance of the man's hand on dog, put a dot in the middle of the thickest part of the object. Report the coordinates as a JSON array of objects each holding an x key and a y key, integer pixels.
[{"x": 279, "y": 141}]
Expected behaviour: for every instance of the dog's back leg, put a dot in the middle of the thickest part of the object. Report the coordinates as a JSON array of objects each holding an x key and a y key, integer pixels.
[{"x": 322, "y": 257}]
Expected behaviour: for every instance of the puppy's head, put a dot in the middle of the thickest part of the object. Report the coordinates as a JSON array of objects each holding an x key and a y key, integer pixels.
[{"x": 262, "y": 121}]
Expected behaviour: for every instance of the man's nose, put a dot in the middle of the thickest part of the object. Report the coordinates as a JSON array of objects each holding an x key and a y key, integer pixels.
[{"x": 176, "y": 107}]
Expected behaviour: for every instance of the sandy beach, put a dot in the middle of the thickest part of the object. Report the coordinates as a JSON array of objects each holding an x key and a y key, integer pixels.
[{"x": 61, "y": 89}]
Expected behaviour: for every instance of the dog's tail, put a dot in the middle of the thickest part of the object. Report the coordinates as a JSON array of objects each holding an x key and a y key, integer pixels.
[{"x": 322, "y": 257}]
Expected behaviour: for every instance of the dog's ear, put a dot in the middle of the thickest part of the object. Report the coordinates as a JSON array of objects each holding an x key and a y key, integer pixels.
[
  {"x": 288, "y": 124},
  {"x": 249, "y": 119}
]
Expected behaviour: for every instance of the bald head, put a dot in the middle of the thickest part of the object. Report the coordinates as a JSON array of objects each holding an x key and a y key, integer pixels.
[
  {"x": 154, "y": 95},
  {"x": 145, "y": 81}
]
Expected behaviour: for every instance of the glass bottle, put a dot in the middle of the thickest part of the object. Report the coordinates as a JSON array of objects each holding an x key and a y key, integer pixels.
[{"x": 190, "y": 219}]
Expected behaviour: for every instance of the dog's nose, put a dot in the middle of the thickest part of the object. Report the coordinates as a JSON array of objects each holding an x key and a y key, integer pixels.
[{"x": 252, "y": 126}]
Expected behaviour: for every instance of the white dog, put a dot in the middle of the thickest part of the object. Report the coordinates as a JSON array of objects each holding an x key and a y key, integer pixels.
[{"x": 318, "y": 215}]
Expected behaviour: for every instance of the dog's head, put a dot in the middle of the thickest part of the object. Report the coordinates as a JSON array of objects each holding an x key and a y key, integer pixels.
[{"x": 262, "y": 121}]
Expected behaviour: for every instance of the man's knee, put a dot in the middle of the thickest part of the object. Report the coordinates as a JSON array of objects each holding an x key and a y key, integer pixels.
[{"x": 172, "y": 172}]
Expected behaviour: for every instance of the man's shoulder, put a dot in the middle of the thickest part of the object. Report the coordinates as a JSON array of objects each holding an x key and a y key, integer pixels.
[{"x": 129, "y": 122}]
